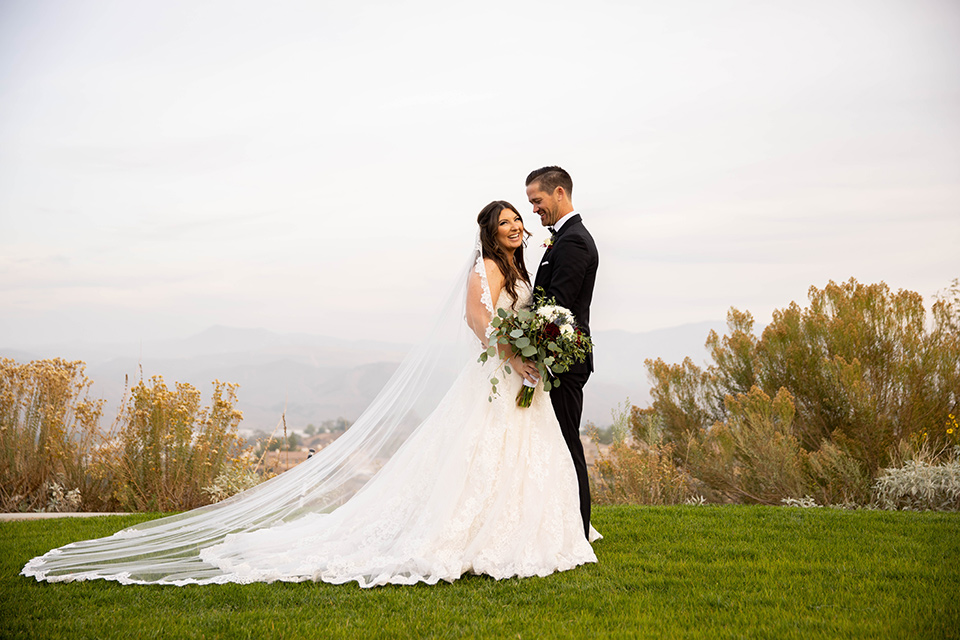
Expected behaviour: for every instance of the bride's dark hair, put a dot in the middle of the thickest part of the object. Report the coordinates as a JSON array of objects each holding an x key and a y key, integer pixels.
[{"x": 489, "y": 221}]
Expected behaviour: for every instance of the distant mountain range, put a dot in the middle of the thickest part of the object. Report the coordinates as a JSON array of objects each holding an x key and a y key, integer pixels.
[{"x": 316, "y": 378}]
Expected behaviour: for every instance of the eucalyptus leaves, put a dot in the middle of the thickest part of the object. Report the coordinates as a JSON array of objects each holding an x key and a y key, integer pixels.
[{"x": 546, "y": 335}]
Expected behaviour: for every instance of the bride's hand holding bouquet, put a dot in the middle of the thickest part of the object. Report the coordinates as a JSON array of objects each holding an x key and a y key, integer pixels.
[{"x": 546, "y": 335}]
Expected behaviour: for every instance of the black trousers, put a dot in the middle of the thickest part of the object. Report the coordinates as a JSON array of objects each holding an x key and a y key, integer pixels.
[{"x": 567, "y": 402}]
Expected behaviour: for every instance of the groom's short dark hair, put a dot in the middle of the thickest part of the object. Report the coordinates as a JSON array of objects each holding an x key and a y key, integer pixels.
[{"x": 550, "y": 178}]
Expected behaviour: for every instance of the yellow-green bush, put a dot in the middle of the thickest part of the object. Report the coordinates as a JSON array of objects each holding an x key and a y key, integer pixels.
[
  {"x": 817, "y": 404},
  {"x": 162, "y": 451},
  {"x": 753, "y": 457},
  {"x": 865, "y": 367},
  {"x": 49, "y": 433},
  {"x": 169, "y": 447}
]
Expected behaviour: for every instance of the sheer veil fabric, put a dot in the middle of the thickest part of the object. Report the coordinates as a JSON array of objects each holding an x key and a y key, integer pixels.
[{"x": 417, "y": 490}]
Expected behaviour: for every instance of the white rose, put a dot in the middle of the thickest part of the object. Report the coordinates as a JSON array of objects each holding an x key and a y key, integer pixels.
[{"x": 548, "y": 312}]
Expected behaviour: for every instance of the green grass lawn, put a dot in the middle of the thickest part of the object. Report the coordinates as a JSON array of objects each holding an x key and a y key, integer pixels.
[{"x": 664, "y": 572}]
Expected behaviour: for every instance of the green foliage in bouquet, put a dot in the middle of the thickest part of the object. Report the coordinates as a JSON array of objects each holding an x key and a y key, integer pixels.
[{"x": 546, "y": 335}]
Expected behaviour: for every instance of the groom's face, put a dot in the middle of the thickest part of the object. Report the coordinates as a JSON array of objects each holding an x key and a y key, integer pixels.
[{"x": 546, "y": 205}]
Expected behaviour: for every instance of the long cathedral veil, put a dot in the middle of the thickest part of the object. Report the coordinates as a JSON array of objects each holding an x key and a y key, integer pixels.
[{"x": 167, "y": 550}]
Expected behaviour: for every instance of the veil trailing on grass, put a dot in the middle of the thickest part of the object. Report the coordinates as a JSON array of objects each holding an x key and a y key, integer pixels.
[{"x": 167, "y": 551}]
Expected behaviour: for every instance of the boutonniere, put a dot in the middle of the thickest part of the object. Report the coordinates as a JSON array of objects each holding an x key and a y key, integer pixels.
[{"x": 548, "y": 243}]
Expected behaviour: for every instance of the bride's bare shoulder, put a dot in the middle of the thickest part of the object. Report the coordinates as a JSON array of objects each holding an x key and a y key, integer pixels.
[{"x": 493, "y": 270}]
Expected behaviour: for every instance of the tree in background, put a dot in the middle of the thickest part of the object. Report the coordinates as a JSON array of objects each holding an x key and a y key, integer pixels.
[{"x": 816, "y": 405}]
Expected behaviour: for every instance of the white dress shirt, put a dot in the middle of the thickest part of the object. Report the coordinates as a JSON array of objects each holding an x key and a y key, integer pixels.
[{"x": 559, "y": 223}]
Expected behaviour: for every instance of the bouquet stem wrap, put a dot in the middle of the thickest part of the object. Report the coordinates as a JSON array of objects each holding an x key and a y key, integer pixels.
[{"x": 525, "y": 395}]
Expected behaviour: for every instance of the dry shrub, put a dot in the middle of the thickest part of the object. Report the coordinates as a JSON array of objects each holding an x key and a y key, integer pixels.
[
  {"x": 49, "y": 432},
  {"x": 837, "y": 478},
  {"x": 638, "y": 467},
  {"x": 160, "y": 453},
  {"x": 865, "y": 366},
  {"x": 640, "y": 475},
  {"x": 752, "y": 457},
  {"x": 169, "y": 447},
  {"x": 850, "y": 375}
]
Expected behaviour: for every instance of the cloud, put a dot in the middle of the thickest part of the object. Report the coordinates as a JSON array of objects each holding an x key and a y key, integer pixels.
[{"x": 174, "y": 165}]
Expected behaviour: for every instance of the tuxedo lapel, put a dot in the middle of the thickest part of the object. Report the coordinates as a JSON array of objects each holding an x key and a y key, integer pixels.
[
  {"x": 573, "y": 221},
  {"x": 542, "y": 279},
  {"x": 567, "y": 272}
]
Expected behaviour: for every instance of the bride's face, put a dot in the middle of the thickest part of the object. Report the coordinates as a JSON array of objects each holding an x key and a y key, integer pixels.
[{"x": 510, "y": 230}]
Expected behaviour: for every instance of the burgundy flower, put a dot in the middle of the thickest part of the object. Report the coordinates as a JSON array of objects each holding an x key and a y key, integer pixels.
[{"x": 551, "y": 330}]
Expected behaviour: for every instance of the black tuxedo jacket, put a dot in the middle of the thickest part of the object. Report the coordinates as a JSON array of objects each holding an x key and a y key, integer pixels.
[{"x": 567, "y": 272}]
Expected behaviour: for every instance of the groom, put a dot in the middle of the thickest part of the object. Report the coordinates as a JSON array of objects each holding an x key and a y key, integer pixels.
[{"x": 567, "y": 272}]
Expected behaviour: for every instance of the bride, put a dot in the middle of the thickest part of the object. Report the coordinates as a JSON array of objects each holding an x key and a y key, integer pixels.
[{"x": 478, "y": 486}]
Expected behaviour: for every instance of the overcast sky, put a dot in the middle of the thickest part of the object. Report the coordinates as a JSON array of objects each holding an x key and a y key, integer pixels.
[{"x": 318, "y": 166}]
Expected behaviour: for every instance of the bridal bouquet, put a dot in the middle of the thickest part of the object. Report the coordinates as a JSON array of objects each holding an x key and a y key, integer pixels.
[{"x": 547, "y": 335}]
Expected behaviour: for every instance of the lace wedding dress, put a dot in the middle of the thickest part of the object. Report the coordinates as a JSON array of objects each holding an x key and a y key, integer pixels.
[
  {"x": 482, "y": 487},
  {"x": 478, "y": 486}
]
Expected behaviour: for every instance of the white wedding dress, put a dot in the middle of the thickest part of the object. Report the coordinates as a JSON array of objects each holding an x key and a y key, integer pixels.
[
  {"x": 482, "y": 487},
  {"x": 478, "y": 487}
]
